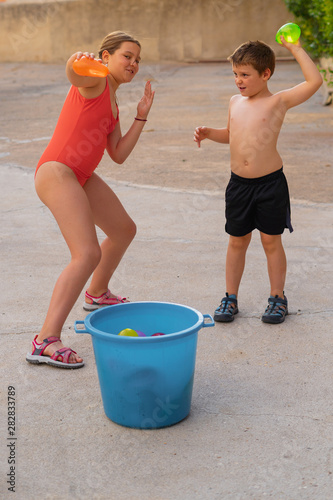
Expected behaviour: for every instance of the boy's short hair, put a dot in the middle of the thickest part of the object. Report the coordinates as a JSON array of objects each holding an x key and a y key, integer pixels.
[{"x": 257, "y": 54}]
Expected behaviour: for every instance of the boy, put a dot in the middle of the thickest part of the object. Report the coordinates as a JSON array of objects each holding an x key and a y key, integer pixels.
[{"x": 257, "y": 194}]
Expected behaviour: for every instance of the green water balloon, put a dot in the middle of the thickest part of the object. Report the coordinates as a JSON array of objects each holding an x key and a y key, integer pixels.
[{"x": 290, "y": 31}]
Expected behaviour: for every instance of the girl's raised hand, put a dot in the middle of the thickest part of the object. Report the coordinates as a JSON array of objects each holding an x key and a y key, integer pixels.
[
  {"x": 88, "y": 55},
  {"x": 82, "y": 69},
  {"x": 78, "y": 55},
  {"x": 145, "y": 102}
]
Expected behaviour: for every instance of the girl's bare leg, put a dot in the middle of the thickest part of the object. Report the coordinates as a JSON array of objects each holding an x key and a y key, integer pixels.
[
  {"x": 235, "y": 262},
  {"x": 114, "y": 221},
  {"x": 276, "y": 262},
  {"x": 59, "y": 190}
]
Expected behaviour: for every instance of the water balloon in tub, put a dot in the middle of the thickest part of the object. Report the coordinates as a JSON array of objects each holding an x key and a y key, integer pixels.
[{"x": 128, "y": 332}]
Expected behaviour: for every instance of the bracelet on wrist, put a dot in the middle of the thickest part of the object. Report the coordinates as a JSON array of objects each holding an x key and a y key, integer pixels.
[{"x": 140, "y": 119}]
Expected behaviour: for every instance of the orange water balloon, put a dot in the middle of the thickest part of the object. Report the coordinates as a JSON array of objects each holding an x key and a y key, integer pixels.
[{"x": 90, "y": 67}]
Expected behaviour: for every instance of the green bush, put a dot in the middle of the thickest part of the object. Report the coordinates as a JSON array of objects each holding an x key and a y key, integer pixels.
[{"x": 315, "y": 18}]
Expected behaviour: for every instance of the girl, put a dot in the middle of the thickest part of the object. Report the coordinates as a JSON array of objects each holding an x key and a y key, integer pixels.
[{"x": 79, "y": 199}]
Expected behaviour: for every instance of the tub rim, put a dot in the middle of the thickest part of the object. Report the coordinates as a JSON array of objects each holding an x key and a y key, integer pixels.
[{"x": 163, "y": 338}]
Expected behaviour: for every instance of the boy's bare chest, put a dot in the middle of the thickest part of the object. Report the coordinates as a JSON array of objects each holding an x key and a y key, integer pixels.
[{"x": 246, "y": 118}]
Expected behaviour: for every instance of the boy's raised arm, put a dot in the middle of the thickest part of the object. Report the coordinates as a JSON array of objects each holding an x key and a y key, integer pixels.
[{"x": 313, "y": 80}]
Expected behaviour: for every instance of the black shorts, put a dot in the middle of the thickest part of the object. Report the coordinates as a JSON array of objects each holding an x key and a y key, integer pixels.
[{"x": 262, "y": 203}]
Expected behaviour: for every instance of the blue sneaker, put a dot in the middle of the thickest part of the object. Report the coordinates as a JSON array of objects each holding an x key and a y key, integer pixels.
[
  {"x": 276, "y": 311},
  {"x": 227, "y": 309}
]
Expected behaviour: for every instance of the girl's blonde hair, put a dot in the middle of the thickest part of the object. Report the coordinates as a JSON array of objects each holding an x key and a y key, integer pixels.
[{"x": 113, "y": 41}]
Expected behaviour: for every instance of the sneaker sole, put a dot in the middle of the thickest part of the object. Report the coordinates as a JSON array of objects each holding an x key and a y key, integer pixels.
[
  {"x": 39, "y": 360},
  {"x": 274, "y": 320},
  {"x": 94, "y": 307},
  {"x": 227, "y": 318},
  {"x": 90, "y": 307}
]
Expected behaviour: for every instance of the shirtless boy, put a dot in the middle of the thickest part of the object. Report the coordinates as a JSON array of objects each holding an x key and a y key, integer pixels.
[{"x": 257, "y": 195}]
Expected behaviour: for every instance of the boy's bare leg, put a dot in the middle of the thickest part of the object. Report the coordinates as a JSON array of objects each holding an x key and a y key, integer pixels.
[
  {"x": 235, "y": 262},
  {"x": 276, "y": 262}
]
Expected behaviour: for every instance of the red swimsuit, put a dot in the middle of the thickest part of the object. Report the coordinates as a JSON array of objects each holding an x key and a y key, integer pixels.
[{"x": 80, "y": 137}]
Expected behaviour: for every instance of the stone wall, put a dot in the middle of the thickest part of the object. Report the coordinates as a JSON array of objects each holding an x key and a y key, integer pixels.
[{"x": 169, "y": 30}]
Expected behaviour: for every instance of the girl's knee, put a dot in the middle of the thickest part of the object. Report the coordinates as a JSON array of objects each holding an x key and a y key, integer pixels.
[
  {"x": 95, "y": 255},
  {"x": 131, "y": 229},
  {"x": 90, "y": 257},
  {"x": 128, "y": 231},
  {"x": 123, "y": 234}
]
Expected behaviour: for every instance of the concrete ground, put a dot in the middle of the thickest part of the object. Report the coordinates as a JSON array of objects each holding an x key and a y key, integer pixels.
[{"x": 261, "y": 421}]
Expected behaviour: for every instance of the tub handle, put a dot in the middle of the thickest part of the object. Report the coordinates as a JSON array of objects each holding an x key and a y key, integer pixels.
[
  {"x": 79, "y": 330},
  {"x": 208, "y": 324}
]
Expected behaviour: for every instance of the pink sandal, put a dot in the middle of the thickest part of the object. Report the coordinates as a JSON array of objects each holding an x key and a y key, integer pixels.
[
  {"x": 103, "y": 300},
  {"x": 64, "y": 353}
]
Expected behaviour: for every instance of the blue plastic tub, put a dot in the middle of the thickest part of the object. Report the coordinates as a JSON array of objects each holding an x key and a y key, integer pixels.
[{"x": 146, "y": 382}]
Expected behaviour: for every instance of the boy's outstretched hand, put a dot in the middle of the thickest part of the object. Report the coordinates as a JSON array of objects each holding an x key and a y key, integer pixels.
[{"x": 200, "y": 134}]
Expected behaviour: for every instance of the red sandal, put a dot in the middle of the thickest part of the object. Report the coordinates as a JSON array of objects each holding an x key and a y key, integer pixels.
[
  {"x": 103, "y": 300},
  {"x": 64, "y": 353}
]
